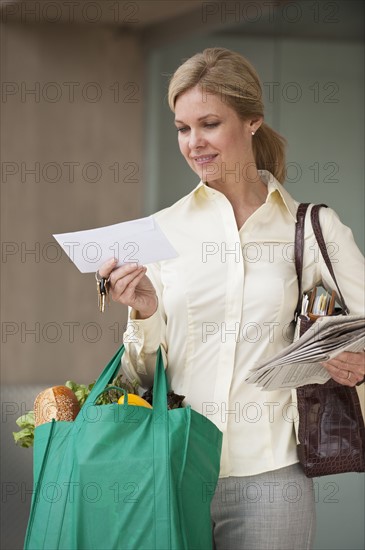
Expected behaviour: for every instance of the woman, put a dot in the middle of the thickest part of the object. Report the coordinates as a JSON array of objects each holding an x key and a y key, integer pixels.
[{"x": 228, "y": 299}]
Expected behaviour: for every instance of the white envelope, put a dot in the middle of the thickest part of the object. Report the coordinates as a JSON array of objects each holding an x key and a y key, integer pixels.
[{"x": 140, "y": 241}]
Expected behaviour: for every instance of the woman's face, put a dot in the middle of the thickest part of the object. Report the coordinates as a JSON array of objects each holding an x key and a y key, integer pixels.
[{"x": 215, "y": 142}]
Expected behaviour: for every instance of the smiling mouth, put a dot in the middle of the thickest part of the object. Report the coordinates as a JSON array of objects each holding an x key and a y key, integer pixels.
[{"x": 204, "y": 159}]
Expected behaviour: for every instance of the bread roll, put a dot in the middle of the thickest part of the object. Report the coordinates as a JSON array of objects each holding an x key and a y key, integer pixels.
[{"x": 58, "y": 402}]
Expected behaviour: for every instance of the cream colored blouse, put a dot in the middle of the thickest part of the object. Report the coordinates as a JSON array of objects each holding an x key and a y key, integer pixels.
[{"x": 226, "y": 302}]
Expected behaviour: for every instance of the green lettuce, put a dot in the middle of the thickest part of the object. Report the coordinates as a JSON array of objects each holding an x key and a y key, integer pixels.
[{"x": 25, "y": 436}]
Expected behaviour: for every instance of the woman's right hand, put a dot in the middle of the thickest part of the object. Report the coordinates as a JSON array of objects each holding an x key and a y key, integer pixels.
[{"x": 130, "y": 286}]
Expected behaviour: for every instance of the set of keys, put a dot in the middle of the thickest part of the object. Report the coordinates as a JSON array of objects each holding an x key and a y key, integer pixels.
[{"x": 102, "y": 286}]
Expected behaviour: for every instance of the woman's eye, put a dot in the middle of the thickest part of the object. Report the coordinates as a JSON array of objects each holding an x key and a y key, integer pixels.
[{"x": 184, "y": 129}]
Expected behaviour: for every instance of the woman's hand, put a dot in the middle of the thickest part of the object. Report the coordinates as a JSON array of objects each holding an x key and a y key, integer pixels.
[
  {"x": 130, "y": 286},
  {"x": 347, "y": 368}
]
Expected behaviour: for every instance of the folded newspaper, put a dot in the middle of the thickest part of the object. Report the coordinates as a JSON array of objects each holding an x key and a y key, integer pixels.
[{"x": 299, "y": 363}]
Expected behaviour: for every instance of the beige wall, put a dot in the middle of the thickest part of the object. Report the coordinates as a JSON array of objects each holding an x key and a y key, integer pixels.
[{"x": 77, "y": 115}]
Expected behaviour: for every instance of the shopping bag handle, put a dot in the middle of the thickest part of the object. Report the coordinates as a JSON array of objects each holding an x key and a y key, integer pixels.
[
  {"x": 159, "y": 398},
  {"x": 109, "y": 373}
]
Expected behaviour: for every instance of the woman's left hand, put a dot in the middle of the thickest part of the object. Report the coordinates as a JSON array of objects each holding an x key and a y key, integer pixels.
[{"x": 347, "y": 368}]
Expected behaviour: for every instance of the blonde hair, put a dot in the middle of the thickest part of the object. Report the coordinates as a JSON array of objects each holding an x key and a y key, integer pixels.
[{"x": 228, "y": 74}]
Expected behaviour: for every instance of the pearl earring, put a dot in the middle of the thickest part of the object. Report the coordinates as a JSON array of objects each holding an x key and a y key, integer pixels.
[{"x": 253, "y": 133}]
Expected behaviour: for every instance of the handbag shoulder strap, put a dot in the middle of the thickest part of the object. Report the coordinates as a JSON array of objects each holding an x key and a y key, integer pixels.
[
  {"x": 322, "y": 246},
  {"x": 299, "y": 250}
]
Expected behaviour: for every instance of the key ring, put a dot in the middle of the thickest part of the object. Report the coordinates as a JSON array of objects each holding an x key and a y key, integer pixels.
[{"x": 99, "y": 278}]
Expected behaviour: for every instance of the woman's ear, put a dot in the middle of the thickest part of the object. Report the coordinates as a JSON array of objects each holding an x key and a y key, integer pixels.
[{"x": 255, "y": 123}]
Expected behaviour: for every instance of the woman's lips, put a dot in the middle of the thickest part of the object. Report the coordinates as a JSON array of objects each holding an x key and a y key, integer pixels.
[{"x": 204, "y": 159}]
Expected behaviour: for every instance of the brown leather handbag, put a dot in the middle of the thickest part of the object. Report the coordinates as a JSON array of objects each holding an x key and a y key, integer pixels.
[{"x": 331, "y": 430}]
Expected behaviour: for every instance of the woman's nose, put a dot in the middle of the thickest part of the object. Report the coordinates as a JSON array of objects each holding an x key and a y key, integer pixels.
[{"x": 195, "y": 139}]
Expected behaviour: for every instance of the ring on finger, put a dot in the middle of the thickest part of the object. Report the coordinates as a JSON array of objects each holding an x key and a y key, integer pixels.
[{"x": 348, "y": 375}]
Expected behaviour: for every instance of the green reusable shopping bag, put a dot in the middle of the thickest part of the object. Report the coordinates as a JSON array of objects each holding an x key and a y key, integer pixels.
[{"x": 125, "y": 477}]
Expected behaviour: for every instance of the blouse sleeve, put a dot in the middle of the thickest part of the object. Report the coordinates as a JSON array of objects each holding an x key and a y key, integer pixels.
[
  {"x": 143, "y": 337},
  {"x": 347, "y": 261}
]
